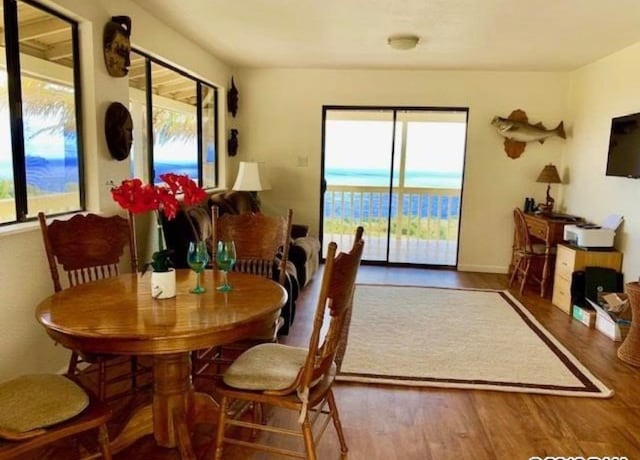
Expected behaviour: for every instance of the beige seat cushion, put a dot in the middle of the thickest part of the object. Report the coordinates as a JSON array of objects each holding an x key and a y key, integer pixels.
[
  {"x": 270, "y": 366},
  {"x": 39, "y": 400}
]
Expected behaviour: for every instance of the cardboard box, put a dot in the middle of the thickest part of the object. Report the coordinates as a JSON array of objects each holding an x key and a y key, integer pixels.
[
  {"x": 605, "y": 323},
  {"x": 586, "y": 316},
  {"x": 615, "y": 302}
]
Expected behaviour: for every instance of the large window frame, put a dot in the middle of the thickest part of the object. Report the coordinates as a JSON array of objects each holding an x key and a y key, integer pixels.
[
  {"x": 149, "y": 133},
  {"x": 15, "y": 107}
]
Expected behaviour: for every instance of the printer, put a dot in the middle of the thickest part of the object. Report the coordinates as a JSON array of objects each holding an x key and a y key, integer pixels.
[{"x": 591, "y": 235}]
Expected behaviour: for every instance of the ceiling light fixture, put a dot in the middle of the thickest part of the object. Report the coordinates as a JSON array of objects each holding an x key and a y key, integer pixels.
[{"x": 403, "y": 42}]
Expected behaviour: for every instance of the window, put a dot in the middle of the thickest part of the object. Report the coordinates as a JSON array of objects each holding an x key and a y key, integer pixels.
[
  {"x": 182, "y": 122},
  {"x": 40, "y": 142}
]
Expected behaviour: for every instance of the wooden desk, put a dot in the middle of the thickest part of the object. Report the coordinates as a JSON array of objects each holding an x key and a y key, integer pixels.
[
  {"x": 549, "y": 231},
  {"x": 119, "y": 316}
]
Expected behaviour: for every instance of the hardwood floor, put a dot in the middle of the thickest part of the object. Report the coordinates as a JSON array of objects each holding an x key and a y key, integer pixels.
[{"x": 387, "y": 422}]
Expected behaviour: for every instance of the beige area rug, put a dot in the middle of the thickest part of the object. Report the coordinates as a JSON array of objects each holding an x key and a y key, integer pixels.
[{"x": 457, "y": 338}]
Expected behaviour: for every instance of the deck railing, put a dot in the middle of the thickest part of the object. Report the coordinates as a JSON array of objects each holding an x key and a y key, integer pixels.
[{"x": 419, "y": 218}]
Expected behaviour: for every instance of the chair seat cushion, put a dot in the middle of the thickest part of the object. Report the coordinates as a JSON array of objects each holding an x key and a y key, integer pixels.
[
  {"x": 39, "y": 400},
  {"x": 269, "y": 366}
]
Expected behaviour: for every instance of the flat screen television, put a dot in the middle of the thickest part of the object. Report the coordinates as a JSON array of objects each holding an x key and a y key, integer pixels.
[{"x": 623, "y": 159}]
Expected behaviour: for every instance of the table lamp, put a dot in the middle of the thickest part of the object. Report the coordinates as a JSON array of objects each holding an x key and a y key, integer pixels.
[
  {"x": 252, "y": 178},
  {"x": 549, "y": 175}
]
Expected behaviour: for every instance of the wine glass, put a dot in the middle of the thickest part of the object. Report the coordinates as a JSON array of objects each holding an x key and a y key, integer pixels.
[
  {"x": 197, "y": 258},
  {"x": 225, "y": 258}
]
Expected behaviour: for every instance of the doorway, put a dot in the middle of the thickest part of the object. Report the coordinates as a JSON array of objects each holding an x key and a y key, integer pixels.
[{"x": 398, "y": 172}]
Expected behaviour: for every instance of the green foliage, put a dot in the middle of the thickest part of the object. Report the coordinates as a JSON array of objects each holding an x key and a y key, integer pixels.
[
  {"x": 161, "y": 261},
  {"x": 425, "y": 229},
  {"x": 6, "y": 188}
]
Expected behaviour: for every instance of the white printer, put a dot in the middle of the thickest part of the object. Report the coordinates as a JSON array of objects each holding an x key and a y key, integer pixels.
[{"x": 592, "y": 235}]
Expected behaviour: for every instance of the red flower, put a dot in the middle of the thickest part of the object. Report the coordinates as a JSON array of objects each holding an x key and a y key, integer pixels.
[
  {"x": 137, "y": 197},
  {"x": 181, "y": 183}
]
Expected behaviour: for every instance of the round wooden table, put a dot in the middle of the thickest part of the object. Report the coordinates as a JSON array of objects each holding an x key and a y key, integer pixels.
[{"x": 119, "y": 316}]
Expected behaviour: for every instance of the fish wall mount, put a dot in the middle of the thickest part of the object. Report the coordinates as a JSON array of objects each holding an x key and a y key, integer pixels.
[{"x": 517, "y": 131}]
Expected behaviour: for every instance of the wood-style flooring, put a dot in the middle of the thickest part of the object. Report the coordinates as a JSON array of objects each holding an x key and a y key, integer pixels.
[{"x": 386, "y": 422}]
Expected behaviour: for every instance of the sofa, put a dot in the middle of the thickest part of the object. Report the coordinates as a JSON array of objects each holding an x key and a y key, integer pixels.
[{"x": 304, "y": 250}]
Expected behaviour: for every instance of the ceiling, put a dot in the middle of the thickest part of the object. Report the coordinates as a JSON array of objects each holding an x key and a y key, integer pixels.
[{"x": 554, "y": 35}]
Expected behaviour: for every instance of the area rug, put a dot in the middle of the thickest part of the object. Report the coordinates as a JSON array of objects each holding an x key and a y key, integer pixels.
[{"x": 457, "y": 338}]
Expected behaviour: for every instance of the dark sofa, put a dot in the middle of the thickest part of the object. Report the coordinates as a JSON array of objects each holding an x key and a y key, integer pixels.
[{"x": 192, "y": 221}]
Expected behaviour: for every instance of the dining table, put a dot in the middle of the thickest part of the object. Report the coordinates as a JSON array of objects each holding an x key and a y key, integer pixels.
[{"x": 119, "y": 316}]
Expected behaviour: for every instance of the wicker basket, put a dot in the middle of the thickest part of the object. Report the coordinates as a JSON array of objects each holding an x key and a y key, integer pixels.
[{"x": 629, "y": 351}]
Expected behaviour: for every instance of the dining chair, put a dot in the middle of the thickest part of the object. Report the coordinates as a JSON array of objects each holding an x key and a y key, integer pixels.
[
  {"x": 525, "y": 253},
  {"x": 40, "y": 409},
  {"x": 288, "y": 377},
  {"x": 89, "y": 248},
  {"x": 262, "y": 248}
]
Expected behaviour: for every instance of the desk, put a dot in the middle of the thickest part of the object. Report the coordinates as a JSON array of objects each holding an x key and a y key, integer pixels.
[
  {"x": 119, "y": 316},
  {"x": 550, "y": 231}
]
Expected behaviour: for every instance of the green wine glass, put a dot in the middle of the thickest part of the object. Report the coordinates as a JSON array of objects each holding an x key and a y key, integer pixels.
[
  {"x": 225, "y": 258},
  {"x": 197, "y": 258}
]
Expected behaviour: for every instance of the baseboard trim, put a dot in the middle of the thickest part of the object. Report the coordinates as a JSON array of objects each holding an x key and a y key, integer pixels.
[{"x": 483, "y": 268}]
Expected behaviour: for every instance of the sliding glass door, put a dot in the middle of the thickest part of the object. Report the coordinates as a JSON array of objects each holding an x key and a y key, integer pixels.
[{"x": 398, "y": 173}]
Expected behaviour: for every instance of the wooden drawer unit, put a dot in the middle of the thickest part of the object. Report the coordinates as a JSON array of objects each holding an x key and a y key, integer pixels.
[
  {"x": 570, "y": 259},
  {"x": 562, "y": 294},
  {"x": 565, "y": 262}
]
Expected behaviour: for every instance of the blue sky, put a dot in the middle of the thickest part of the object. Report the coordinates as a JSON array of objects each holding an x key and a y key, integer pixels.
[{"x": 431, "y": 146}]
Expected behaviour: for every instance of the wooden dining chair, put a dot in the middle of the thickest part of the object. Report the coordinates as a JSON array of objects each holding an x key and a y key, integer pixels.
[
  {"x": 526, "y": 255},
  {"x": 298, "y": 379},
  {"x": 262, "y": 248},
  {"x": 40, "y": 409},
  {"x": 88, "y": 248}
]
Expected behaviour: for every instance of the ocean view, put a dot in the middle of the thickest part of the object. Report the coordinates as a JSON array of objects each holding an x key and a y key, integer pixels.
[
  {"x": 60, "y": 175},
  {"x": 379, "y": 177},
  {"x": 366, "y": 206}
]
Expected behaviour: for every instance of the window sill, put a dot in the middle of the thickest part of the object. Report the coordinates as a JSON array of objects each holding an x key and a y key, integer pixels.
[{"x": 25, "y": 227}]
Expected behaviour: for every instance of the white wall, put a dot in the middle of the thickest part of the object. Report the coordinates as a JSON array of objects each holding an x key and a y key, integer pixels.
[
  {"x": 24, "y": 276},
  {"x": 280, "y": 119},
  {"x": 599, "y": 91}
]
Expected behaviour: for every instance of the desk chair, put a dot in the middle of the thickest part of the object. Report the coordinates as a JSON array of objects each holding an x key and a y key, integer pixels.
[
  {"x": 262, "y": 248},
  {"x": 524, "y": 252},
  {"x": 88, "y": 248},
  {"x": 298, "y": 379},
  {"x": 37, "y": 410}
]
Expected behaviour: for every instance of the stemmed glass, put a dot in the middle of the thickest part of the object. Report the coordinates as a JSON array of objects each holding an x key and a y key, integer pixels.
[
  {"x": 225, "y": 258},
  {"x": 197, "y": 258}
]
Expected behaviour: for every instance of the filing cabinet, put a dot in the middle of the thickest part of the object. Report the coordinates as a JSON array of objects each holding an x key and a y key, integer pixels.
[{"x": 570, "y": 259}]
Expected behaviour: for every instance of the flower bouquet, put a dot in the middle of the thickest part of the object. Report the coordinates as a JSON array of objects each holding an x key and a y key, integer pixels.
[{"x": 137, "y": 197}]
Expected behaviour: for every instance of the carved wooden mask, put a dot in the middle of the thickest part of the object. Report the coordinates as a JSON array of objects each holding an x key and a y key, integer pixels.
[
  {"x": 118, "y": 130},
  {"x": 232, "y": 99},
  {"x": 117, "y": 46}
]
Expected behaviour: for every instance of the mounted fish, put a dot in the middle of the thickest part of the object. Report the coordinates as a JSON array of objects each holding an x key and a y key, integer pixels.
[{"x": 517, "y": 131}]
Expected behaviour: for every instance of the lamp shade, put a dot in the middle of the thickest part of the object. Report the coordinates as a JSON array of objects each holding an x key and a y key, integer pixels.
[
  {"x": 549, "y": 175},
  {"x": 251, "y": 178}
]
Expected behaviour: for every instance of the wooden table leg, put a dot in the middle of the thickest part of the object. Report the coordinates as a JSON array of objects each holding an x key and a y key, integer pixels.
[
  {"x": 172, "y": 390},
  {"x": 140, "y": 424},
  {"x": 175, "y": 409}
]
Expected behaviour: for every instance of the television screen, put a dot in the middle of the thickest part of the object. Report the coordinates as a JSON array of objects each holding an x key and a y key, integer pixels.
[{"x": 624, "y": 147}]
